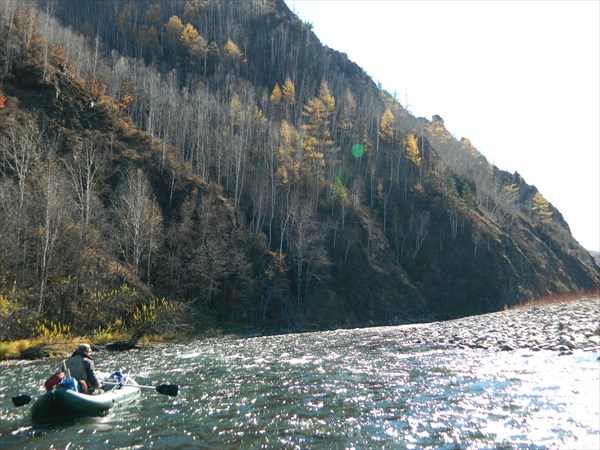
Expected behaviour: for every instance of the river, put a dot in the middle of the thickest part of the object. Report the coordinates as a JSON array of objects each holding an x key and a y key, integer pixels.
[{"x": 342, "y": 389}]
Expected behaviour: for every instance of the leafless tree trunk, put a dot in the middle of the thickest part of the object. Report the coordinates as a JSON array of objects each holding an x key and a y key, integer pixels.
[
  {"x": 139, "y": 219},
  {"x": 83, "y": 169},
  {"x": 306, "y": 247},
  {"x": 54, "y": 215}
]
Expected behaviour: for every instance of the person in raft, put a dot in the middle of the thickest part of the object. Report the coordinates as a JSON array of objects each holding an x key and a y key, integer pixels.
[{"x": 81, "y": 366}]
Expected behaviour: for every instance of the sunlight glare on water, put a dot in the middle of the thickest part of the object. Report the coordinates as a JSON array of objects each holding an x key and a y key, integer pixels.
[{"x": 342, "y": 389}]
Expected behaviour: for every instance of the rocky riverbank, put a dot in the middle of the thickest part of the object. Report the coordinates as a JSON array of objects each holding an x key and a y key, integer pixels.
[{"x": 561, "y": 327}]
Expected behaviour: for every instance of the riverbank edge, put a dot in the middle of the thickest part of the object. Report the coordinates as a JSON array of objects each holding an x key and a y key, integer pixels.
[{"x": 64, "y": 348}]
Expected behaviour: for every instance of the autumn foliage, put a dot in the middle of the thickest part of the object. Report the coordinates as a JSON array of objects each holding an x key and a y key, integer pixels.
[{"x": 216, "y": 156}]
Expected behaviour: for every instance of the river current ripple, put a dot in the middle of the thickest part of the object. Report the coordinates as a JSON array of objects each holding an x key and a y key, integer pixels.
[{"x": 342, "y": 389}]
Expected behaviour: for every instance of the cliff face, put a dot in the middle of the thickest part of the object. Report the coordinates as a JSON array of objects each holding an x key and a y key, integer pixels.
[{"x": 241, "y": 171}]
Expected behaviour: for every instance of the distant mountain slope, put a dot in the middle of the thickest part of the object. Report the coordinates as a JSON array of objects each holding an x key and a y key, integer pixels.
[
  {"x": 215, "y": 160},
  {"x": 596, "y": 256}
]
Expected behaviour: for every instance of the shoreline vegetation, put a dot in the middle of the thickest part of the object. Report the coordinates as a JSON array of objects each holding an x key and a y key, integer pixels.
[{"x": 57, "y": 344}]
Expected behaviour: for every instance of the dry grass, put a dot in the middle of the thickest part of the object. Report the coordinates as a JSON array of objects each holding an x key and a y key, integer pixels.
[
  {"x": 554, "y": 299},
  {"x": 44, "y": 348},
  {"x": 13, "y": 349},
  {"x": 34, "y": 348}
]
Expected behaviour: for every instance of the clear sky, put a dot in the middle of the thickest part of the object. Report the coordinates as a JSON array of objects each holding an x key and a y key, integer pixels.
[{"x": 520, "y": 79}]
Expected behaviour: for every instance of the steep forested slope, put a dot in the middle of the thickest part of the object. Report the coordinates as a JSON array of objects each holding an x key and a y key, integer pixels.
[{"x": 166, "y": 163}]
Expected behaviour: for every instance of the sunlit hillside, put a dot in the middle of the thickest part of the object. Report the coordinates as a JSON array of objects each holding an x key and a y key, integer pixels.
[{"x": 187, "y": 165}]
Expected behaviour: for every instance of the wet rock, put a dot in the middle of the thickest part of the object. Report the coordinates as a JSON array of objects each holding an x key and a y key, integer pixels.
[
  {"x": 567, "y": 343},
  {"x": 122, "y": 345},
  {"x": 535, "y": 329}
]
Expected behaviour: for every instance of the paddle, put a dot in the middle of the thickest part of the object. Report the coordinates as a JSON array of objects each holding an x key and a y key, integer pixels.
[
  {"x": 23, "y": 399},
  {"x": 165, "y": 389}
]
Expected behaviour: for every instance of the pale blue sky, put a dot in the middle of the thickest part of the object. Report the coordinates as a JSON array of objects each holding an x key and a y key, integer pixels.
[{"x": 520, "y": 79}]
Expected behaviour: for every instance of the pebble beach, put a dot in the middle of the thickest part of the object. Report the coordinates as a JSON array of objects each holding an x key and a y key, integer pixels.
[{"x": 560, "y": 327}]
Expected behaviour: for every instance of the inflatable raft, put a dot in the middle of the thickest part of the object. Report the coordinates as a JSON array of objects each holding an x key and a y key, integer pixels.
[{"x": 63, "y": 401}]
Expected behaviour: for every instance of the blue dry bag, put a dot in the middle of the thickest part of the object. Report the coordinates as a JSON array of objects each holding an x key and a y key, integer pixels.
[
  {"x": 71, "y": 384},
  {"x": 117, "y": 376}
]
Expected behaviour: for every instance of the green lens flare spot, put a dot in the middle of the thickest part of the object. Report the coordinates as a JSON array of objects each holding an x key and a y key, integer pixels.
[{"x": 357, "y": 150}]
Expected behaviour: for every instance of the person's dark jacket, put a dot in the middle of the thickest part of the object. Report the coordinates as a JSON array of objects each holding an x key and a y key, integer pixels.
[{"x": 81, "y": 366}]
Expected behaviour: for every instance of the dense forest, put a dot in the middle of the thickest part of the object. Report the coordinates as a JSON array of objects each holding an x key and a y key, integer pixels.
[{"x": 175, "y": 166}]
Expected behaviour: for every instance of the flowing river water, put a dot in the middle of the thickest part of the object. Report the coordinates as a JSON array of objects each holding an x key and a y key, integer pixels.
[{"x": 342, "y": 389}]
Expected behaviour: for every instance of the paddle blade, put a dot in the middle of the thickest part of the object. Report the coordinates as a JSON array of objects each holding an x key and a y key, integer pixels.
[
  {"x": 168, "y": 389},
  {"x": 21, "y": 400}
]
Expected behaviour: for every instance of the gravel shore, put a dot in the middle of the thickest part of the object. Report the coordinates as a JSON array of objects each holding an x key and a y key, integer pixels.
[{"x": 561, "y": 327}]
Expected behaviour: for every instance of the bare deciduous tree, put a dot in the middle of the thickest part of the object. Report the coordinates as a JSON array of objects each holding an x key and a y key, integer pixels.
[{"x": 138, "y": 219}]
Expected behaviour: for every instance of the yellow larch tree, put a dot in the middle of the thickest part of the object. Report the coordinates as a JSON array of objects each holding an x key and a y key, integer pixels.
[
  {"x": 196, "y": 45},
  {"x": 235, "y": 110},
  {"x": 412, "y": 149},
  {"x": 173, "y": 29},
  {"x": 317, "y": 136},
  {"x": 288, "y": 167},
  {"x": 386, "y": 131},
  {"x": 289, "y": 91},
  {"x": 232, "y": 52},
  {"x": 327, "y": 99},
  {"x": 541, "y": 208},
  {"x": 276, "y": 94},
  {"x": 259, "y": 116}
]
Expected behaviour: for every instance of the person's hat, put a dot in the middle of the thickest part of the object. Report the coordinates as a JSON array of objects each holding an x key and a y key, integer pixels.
[{"x": 85, "y": 348}]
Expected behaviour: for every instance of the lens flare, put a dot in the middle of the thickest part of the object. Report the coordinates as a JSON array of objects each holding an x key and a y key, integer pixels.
[{"x": 357, "y": 150}]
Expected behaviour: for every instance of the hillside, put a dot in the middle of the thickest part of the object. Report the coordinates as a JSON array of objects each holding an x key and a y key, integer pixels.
[{"x": 189, "y": 164}]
